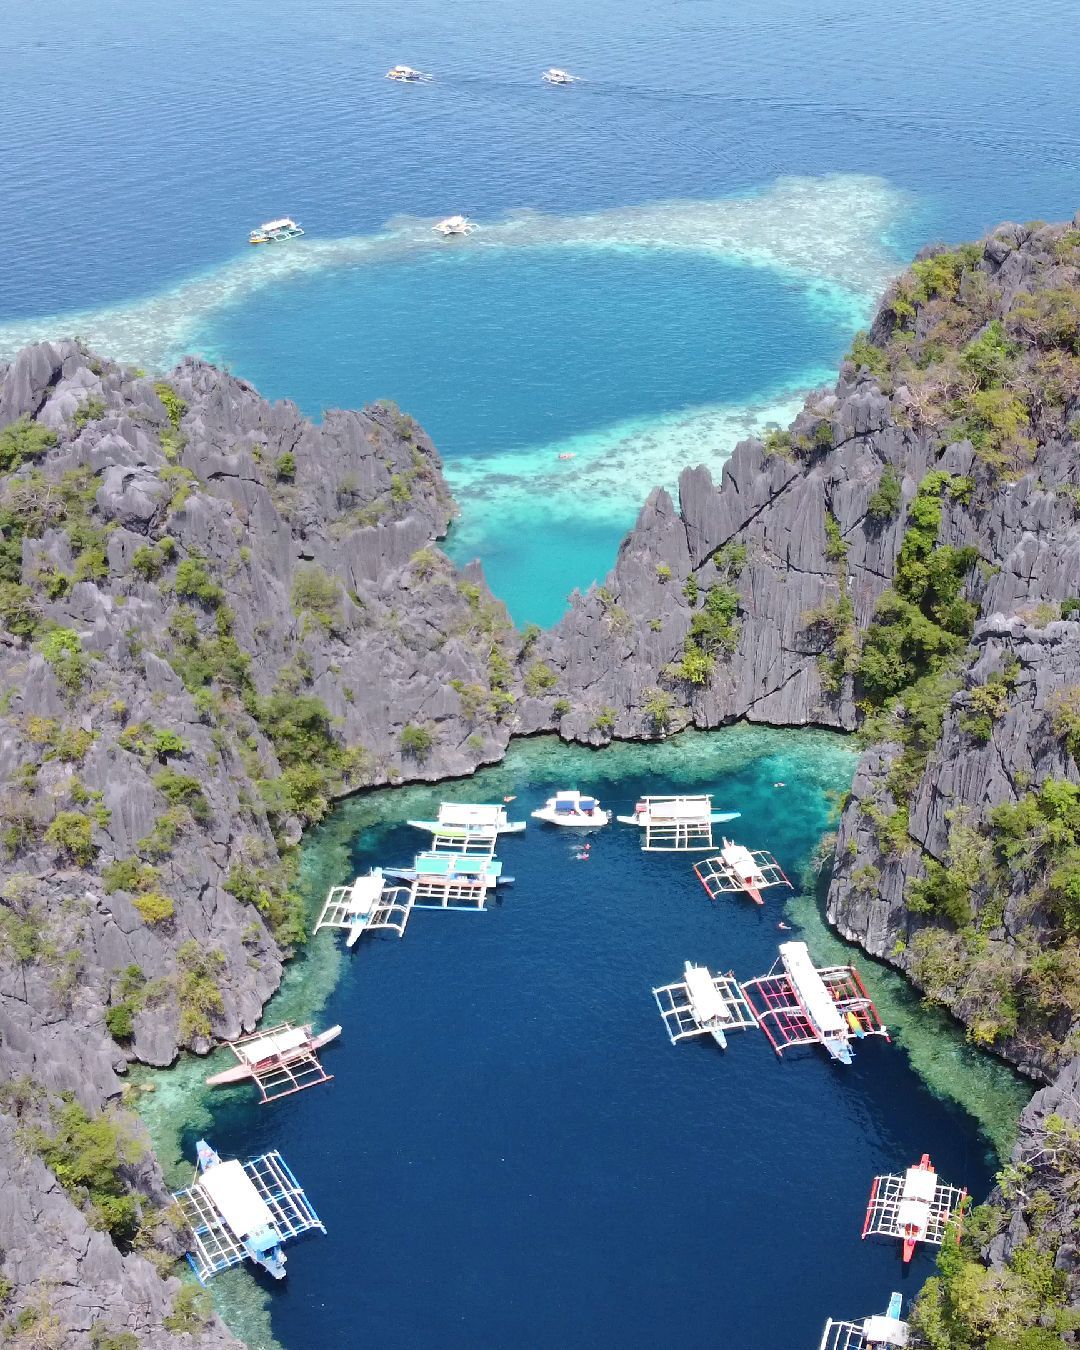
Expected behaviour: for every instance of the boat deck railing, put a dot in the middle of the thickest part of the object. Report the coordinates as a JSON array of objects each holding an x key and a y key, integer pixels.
[
  {"x": 718, "y": 876},
  {"x": 475, "y": 840},
  {"x": 433, "y": 892},
  {"x": 883, "y": 1215},
  {"x": 291, "y": 1071},
  {"x": 216, "y": 1247},
  {"x": 391, "y": 911},
  {"x": 680, "y": 1020}
]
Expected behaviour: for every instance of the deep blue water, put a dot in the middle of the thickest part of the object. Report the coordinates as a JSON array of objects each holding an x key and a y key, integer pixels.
[
  {"x": 512, "y": 1153},
  {"x": 141, "y": 144}
]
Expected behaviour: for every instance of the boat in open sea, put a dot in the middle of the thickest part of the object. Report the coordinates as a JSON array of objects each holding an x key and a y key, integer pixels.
[
  {"x": 559, "y": 77},
  {"x": 275, "y": 231},
  {"x": 406, "y": 75},
  {"x": 452, "y": 225}
]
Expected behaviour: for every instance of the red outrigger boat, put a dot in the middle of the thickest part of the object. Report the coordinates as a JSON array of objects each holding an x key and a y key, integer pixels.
[{"x": 915, "y": 1207}]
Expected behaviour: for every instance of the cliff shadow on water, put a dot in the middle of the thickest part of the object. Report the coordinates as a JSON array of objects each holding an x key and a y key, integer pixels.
[{"x": 507, "y": 1116}]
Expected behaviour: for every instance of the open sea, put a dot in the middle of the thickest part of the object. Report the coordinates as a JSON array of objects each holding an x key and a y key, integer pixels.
[{"x": 668, "y": 255}]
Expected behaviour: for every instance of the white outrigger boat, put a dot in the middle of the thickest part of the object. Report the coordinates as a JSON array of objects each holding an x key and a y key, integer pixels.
[
  {"x": 883, "y": 1331},
  {"x": 559, "y": 77},
  {"x": 451, "y": 225},
  {"x": 281, "y": 1060},
  {"x": 243, "y": 1212},
  {"x": 572, "y": 808},
  {"x": 677, "y": 824},
  {"x": 366, "y": 905},
  {"x": 406, "y": 75},
  {"x": 736, "y": 868},
  {"x": 467, "y": 827},
  {"x": 703, "y": 1004},
  {"x": 275, "y": 231}
]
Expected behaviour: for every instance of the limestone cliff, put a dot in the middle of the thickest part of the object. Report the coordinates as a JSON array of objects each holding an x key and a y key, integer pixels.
[{"x": 216, "y": 617}]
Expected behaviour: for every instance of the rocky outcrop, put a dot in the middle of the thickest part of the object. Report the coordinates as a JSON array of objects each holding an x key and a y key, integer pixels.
[{"x": 218, "y": 616}]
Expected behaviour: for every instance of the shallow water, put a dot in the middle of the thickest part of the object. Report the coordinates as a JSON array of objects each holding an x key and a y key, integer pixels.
[
  {"x": 512, "y": 1152},
  {"x": 822, "y": 145}
]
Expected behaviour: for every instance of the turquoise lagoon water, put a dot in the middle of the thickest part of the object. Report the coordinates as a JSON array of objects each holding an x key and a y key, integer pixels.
[
  {"x": 820, "y": 145},
  {"x": 511, "y": 1152}
]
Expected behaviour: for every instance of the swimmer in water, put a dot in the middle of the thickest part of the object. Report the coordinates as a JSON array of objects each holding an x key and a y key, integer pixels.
[
  {"x": 511, "y": 798},
  {"x": 784, "y": 927},
  {"x": 779, "y": 785}
]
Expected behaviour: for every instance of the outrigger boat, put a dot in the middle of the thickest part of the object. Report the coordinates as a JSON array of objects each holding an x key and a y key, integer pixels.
[
  {"x": 738, "y": 869},
  {"x": 677, "y": 824},
  {"x": 275, "y": 231},
  {"x": 556, "y": 76},
  {"x": 406, "y": 75},
  {"x": 281, "y": 1060},
  {"x": 914, "y": 1207},
  {"x": 882, "y": 1331},
  {"x": 243, "y": 1212},
  {"x": 798, "y": 1004},
  {"x": 572, "y": 808},
  {"x": 454, "y": 225},
  {"x": 466, "y": 826},
  {"x": 703, "y": 1004},
  {"x": 483, "y": 871},
  {"x": 368, "y": 904}
]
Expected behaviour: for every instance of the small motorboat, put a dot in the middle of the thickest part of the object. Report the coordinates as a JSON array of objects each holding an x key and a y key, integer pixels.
[
  {"x": 406, "y": 75},
  {"x": 453, "y": 225},
  {"x": 572, "y": 808},
  {"x": 559, "y": 77},
  {"x": 275, "y": 231}
]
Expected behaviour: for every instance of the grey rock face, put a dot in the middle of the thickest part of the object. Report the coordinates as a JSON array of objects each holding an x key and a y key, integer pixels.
[{"x": 264, "y": 503}]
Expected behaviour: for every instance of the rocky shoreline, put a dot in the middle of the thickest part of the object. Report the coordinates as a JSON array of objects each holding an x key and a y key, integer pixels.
[{"x": 218, "y": 617}]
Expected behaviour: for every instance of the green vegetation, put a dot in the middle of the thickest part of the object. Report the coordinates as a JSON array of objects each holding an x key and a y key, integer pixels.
[
  {"x": 271, "y": 892},
  {"x": 63, "y": 651},
  {"x": 183, "y": 790},
  {"x": 132, "y": 993},
  {"x": 285, "y": 467},
  {"x": 174, "y": 405},
  {"x": 314, "y": 765},
  {"x": 70, "y": 832},
  {"x": 561, "y": 707},
  {"x": 730, "y": 559},
  {"x": 604, "y": 721},
  {"x": 986, "y": 704},
  {"x": 22, "y": 440},
  {"x": 659, "y": 710},
  {"x": 833, "y": 625},
  {"x": 1022, "y": 1304},
  {"x": 317, "y": 594},
  {"x": 150, "y": 560},
  {"x": 191, "y": 1309},
  {"x": 153, "y": 907},
  {"x": 1065, "y": 719},
  {"x": 102, "y": 1338},
  {"x": 663, "y": 572},
  {"x": 539, "y": 678},
  {"x": 93, "y": 410},
  {"x": 921, "y": 623},
  {"x": 87, "y": 1155},
  {"x": 887, "y": 497},
  {"x": 196, "y": 989},
  {"x": 416, "y": 741},
  {"x": 65, "y": 743},
  {"x": 864, "y": 353},
  {"x": 714, "y": 630},
  {"x": 835, "y": 547},
  {"x": 192, "y": 582}
]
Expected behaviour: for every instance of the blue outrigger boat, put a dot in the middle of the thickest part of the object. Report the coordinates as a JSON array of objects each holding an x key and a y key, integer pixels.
[
  {"x": 478, "y": 870},
  {"x": 243, "y": 1212}
]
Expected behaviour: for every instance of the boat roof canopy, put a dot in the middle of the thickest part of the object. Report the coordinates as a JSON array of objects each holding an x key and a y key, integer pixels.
[
  {"x": 236, "y": 1199},
  {"x": 283, "y": 223}
]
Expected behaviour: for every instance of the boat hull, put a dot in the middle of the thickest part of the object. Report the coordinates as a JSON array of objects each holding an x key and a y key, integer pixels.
[
  {"x": 239, "y": 1072},
  {"x": 582, "y": 822}
]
